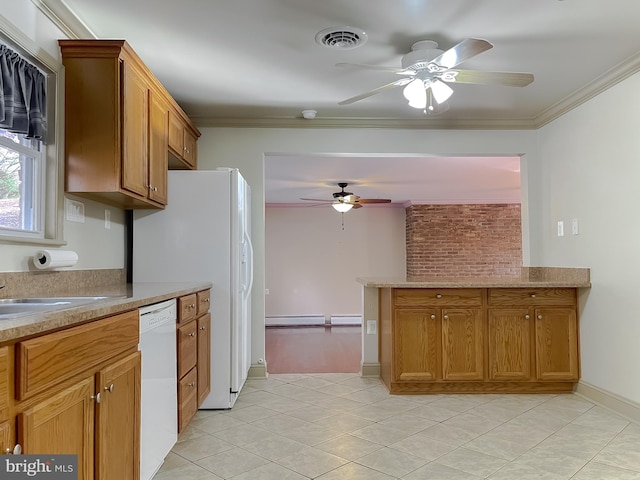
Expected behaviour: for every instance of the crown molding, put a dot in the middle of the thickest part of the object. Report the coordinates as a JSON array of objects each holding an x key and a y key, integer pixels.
[
  {"x": 64, "y": 18},
  {"x": 365, "y": 122},
  {"x": 592, "y": 89}
]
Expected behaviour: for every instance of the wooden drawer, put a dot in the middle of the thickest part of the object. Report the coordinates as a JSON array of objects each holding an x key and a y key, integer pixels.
[
  {"x": 415, "y": 297},
  {"x": 204, "y": 301},
  {"x": 532, "y": 296},
  {"x": 187, "y": 398},
  {"x": 187, "y": 308},
  {"x": 187, "y": 348},
  {"x": 45, "y": 361}
]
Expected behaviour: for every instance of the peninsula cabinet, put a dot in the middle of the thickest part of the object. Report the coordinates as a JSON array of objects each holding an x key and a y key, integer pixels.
[
  {"x": 77, "y": 391},
  {"x": 478, "y": 340},
  {"x": 117, "y": 124}
]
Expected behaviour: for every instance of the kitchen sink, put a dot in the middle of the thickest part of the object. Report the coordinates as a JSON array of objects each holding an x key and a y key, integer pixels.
[{"x": 17, "y": 307}]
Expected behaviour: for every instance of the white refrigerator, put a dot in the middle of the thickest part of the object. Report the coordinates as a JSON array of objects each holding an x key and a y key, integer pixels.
[{"x": 204, "y": 234}]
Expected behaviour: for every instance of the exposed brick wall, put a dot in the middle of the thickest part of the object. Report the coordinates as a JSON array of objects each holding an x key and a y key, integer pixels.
[{"x": 463, "y": 240}]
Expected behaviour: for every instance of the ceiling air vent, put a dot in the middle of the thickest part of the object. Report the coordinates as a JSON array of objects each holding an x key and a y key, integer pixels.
[{"x": 341, "y": 38}]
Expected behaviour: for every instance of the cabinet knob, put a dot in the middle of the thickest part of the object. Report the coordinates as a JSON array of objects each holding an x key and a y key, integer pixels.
[
  {"x": 192, "y": 384},
  {"x": 207, "y": 300},
  {"x": 439, "y": 295},
  {"x": 109, "y": 388},
  {"x": 202, "y": 328},
  {"x": 539, "y": 317},
  {"x": 533, "y": 295},
  {"x": 192, "y": 305},
  {"x": 96, "y": 397},
  {"x": 192, "y": 334},
  {"x": 526, "y": 317},
  {"x": 433, "y": 317},
  {"x": 446, "y": 317}
]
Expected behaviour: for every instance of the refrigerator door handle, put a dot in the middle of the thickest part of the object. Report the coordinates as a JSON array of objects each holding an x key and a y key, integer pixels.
[{"x": 249, "y": 266}]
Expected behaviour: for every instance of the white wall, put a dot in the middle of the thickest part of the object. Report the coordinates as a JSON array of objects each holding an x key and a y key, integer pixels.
[
  {"x": 311, "y": 261},
  {"x": 589, "y": 169},
  {"x": 97, "y": 247},
  {"x": 246, "y": 150}
]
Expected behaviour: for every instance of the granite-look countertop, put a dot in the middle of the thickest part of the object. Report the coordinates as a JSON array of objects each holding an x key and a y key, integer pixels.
[
  {"x": 121, "y": 298},
  {"x": 530, "y": 277}
]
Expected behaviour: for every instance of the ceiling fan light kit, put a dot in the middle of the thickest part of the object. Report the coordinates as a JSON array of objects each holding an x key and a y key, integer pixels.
[
  {"x": 427, "y": 70},
  {"x": 341, "y": 206},
  {"x": 345, "y": 201}
]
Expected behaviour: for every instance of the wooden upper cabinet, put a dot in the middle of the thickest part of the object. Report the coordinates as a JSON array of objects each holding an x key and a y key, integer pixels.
[
  {"x": 116, "y": 125},
  {"x": 182, "y": 143}
]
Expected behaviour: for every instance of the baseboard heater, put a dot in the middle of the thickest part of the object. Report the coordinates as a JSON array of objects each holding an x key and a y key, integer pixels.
[
  {"x": 346, "y": 319},
  {"x": 294, "y": 320}
]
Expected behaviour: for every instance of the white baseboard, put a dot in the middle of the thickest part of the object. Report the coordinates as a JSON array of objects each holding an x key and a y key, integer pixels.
[
  {"x": 258, "y": 370},
  {"x": 346, "y": 319},
  {"x": 622, "y": 406},
  {"x": 294, "y": 320}
]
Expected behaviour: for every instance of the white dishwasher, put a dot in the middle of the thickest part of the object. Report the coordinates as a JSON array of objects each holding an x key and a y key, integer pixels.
[{"x": 159, "y": 396}]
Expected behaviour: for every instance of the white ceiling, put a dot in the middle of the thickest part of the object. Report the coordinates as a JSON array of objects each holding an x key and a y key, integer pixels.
[{"x": 256, "y": 63}]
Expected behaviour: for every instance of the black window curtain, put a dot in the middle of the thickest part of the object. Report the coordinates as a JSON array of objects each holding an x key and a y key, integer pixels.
[{"x": 23, "y": 99}]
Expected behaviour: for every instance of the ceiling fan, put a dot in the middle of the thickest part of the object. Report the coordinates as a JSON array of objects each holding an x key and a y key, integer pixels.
[
  {"x": 426, "y": 71},
  {"x": 345, "y": 201}
]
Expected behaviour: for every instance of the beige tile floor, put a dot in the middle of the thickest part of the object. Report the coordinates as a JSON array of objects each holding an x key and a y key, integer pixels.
[{"x": 341, "y": 426}]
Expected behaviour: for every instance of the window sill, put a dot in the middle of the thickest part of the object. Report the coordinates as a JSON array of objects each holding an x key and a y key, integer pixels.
[{"x": 31, "y": 241}]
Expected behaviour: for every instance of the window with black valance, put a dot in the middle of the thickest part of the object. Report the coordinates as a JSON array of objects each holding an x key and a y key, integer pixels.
[{"x": 22, "y": 96}]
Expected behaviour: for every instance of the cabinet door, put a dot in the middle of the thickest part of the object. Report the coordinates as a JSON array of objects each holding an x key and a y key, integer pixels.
[
  {"x": 556, "y": 344},
  {"x": 62, "y": 424},
  {"x": 135, "y": 126},
  {"x": 416, "y": 345},
  {"x": 510, "y": 344},
  {"x": 462, "y": 344},
  {"x": 187, "y": 398},
  {"x": 6, "y": 438},
  {"x": 204, "y": 357},
  {"x": 158, "y": 153},
  {"x": 190, "y": 148},
  {"x": 176, "y": 134},
  {"x": 118, "y": 420}
]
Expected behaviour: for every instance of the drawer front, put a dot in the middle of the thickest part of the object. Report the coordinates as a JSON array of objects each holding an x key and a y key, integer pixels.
[
  {"x": 532, "y": 296},
  {"x": 204, "y": 301},
  {"x": 44, "y": 361},
  {"x": 187, "y": 398},
  {"x": 415, "y": 297},
  {"x": 187, "y": 308},
  {"x": 187, "y": 347}
]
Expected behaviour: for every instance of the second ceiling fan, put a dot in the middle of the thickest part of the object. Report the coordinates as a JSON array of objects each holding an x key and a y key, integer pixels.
[{"x": 344, "y": 201}]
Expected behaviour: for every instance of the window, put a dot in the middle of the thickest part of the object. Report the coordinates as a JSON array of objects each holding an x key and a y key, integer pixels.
[
  {"x": 30, "y": 197},
  {"x": 22, "y": 186}
]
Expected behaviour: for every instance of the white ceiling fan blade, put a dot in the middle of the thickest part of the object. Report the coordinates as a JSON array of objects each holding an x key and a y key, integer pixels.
[
  {"x": 388, "y": 86},
  {"x": 398, "y": 71},
  {"x": 465, "y": 50},
  {"x": 509, "y": 79},
  {"x": 441, "y": 91},
  {"x": 416, "y": 93}
]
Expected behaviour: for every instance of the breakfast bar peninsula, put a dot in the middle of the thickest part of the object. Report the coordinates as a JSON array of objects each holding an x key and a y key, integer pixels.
[{"x": 478, "y": 335}]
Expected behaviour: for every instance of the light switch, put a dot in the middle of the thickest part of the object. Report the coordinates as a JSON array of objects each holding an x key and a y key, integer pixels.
[
  {"x": 372, "y": 327},
  {"x": 575, "y": 230},
  {"x": 74, "y": 211},
  {"x": 560, "y": 228}
]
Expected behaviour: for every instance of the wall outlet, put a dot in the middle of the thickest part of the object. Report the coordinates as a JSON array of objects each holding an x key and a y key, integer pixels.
[
  {"x": 561, "y": 228},
  {"x": 575, "y": 229}
]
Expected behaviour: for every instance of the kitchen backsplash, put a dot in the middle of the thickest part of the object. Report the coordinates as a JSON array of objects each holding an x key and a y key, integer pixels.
[{"x": 24, "y": 284}]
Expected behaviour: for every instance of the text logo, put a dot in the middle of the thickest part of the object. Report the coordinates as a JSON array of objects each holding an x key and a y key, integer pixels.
[{"x": 49, "y": 467}]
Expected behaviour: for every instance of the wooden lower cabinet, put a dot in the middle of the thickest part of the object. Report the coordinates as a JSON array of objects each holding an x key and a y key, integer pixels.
[
  {"x": 479, "y": 340},
  {"x": 91, "y": 404},
  {"x": 194, "y": 354}
]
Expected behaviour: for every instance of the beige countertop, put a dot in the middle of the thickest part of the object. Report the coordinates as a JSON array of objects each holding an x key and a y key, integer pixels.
[
  {"x": 120, "y": 298},
  {"x": 530, "y": 277}
]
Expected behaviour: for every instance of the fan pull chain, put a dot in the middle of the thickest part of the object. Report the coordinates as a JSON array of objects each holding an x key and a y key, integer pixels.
[{"x": 342, "y": 220}]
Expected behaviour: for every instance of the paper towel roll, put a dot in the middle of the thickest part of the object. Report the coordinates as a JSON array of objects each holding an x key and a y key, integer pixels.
[{"x": 48, "y": 259}]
